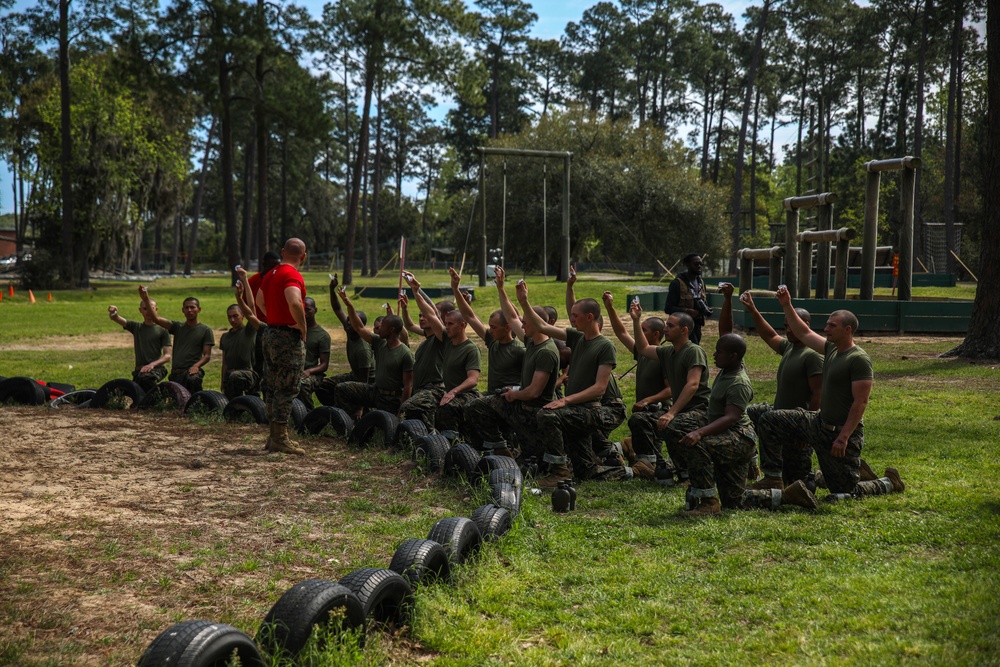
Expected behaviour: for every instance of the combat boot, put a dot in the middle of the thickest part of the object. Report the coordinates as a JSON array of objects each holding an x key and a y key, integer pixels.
[
  {"x": 897, "y": 482},
  {"x": 707, "y": 507},
  {"x": 271, "y": 437},
  {"x": 768, "y": 482},
  {"x": 643, "y": 470},
  {"x": 558, "y": 472},
  {"x": 627, "y": 450},
  {"x": 867, "y": 474},
  {"x": 282, "y": 443},
  {"x": 797, "y": 493}
]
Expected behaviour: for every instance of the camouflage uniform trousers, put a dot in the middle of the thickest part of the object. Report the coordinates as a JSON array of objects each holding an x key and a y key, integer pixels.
[
  {"x": 423, "y": 404},
  {"x": 190, "y": 382},
  {"x": 149, "y": 380},
  {"x": 566, "y": 437},
  {"x": 787, "y": 459},
  {"x": 352, "y": 396},
  {"x": 646, "y": 436},
  {"x": 307, "y": 385},
  {"x": 610, "y": 415},
  {"x": 238, "y": 383},
  {"x": 718, "y": 464},
  {"x": 491, "y": 419},
  {"x": 451, "y": 415},
  {"x": 842, "y": 473},
  {"x": 285, "y": 355},
  {"x": 678, "y": 427},
  {"x": 326, "y": 390}
]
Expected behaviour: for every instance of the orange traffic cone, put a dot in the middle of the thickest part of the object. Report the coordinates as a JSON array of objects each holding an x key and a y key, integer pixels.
[
  {"x": 50, "y": 296},
  {"x": 31, "y": 297},
  {"x": 10, "y": 291},
  {"x": 1, "y": 296}
]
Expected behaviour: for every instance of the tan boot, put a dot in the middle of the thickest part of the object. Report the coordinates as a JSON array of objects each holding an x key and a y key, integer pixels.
[
  {"x": 557, "y": 473},
  {"x": 796, "y": 493},
  {"x": 270, "y": 438},
  {"x": 627, "y": 451},
  {"x": 769, "y": 482},
  {"x": 897, "y": 481},
  {"x": 281, "y": 441},
  {"x": 643, "y": 470},
  {"x": 867, "y": 474},
  {"x": 707, "y": 507}
]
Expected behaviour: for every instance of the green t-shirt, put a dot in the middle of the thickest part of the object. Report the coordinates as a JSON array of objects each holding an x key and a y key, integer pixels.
[
  {"x": 840, "y": 370},
  {"x": 361, "y": 358},
  {"x": 428, "y": 362},
  {"x": 238, "y": 347},
  {"x": 458, "y": 361},
  {"x": 545, "y": 358},
  {"x": 798, "y": 364},
  {"x": 731, "y": 388},
  {"x": 588, "y": 357},
  {"x": 317, "y": 344},
  {"x": 188, "y": 342},
  {"x": 505, "y": 361},
  {"x": 390, "y": 364},
  {"x": 678, "y": 363},
  {"x": 148, "y": 341},
  {"x": 650, "y": 376}
]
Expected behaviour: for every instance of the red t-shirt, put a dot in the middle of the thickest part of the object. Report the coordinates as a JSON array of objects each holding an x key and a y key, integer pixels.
[
  {"x": 254, "y": 282},
  {"x": 273, "y": 286}
]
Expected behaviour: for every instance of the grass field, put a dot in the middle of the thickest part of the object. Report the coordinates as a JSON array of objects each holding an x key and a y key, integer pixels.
[{"x": 902, "y": 579}]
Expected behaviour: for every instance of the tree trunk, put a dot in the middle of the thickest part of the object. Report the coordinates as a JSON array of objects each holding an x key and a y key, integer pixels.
[
  {"x": 67, "y": 266},
  {"x": 949, "y": 146},
  {"x": 247, "y": 235},
  {"x": 706, "y": 130},
  {"x": 198, "y": 196},
  {"x": 261, "y": 120},
  {"x": 365, "y": 231},
  {"x": 178, "y": 230},
  {"x": 720, "y": 132},
  {"x": 983, "y": 338},
  {"x": 378, "y": 181},
  {"x": 879, "y": 143},
  {"x": 284, "y": 191},
  {"x": 226, "y": 166},
  {"x": 918, "y": 127},
  {"x": 753, "y": 165}
]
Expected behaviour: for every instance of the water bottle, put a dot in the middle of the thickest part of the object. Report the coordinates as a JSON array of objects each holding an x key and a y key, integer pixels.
[
  {"x": 572, "y": 494},
  {"x": 560, "y": 498}
]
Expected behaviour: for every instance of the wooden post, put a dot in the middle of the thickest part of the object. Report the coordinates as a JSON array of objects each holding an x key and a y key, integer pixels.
[
  {"x": 840, "y": 272},
  {"x": 791, "y": 257},
  {"x": 774, "y": 272},
  {"x": 907, "y": 188},
  {"x": 824, "y": 222},
  {"x": 482, "y": 195},
  {"x": 869, "y": 240},
  {"x": 746, "y": 272},
  {"x": 805, "y": 269}
]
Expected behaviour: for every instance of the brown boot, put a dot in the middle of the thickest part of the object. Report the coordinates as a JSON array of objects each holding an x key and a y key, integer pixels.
[
  {"x": 707, "y": 507},
  {"x": 820, "y": 480},
  {"x": 271, "y": 437},
  {"x": 627, "y": 451},
  {"x": 897, "y": 482},
  {"x": 643, "y": 470},
  {"x": 867, "y": 474},
  {"x": 282, "y": 443},
  {"x": 769, "y": 482},
  {"x": 796, "y": 493},
  {"x": 557, "y": 473}
]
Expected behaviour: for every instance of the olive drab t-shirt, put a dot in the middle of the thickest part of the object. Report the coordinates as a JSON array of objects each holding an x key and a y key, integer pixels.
[
  {"x": 678, "y": 363},
  {"x": 361, "y": 358},
  {"x": 588, "y": 357},
  {"x": 148, "y": 341},
  {"x": 317, "y": 344},
  {"x": 798, "y": 364},
  {"x": 238, "y": 347},
  {"x": 390, "y": 364},
  {"x": 188, "y": 343},
  {"x": 428, "y": 362},
  {"x": 458, "y": 361},
  {"x": 731, "y": 388},
  {"x": 840, "y": 370},
  {"x": 545, "y": 358},
  {"x": 505, "y": 360},
  {"x": 650, "y": 376}
]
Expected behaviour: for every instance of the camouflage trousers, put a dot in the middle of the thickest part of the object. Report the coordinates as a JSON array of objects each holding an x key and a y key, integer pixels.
[
  {"x": 566, "y": 436},
  {"x": 307, "y": 385},
  {"x": 190, "y": 382},
  {"x": 423, "y": 404},
  {"x": 610, "y": 415},
  {"x": 326, "y": 390},
  {"x": 717, "y": 464},
  {"x": 238, "y": 383},
  {"x": 678, "y": 427},
  {"x": 451, "y": 415},
  {"x": 841, "y": 473},
  {"x": 285, "y": 355},
  {"x": 149, "y": 380},
  {"x": 788, "y": 459},
  {"x": 490, "y": 419},
  {"x": 646, "y": 436},
  {"x": 352, "y": 396}
]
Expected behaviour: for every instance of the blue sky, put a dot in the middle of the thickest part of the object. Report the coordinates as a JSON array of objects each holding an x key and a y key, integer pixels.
[{"x": 553, "y": 15}]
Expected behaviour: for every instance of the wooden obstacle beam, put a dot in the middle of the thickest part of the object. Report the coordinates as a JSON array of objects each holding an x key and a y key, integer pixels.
[{"x": 748, "y": 256}]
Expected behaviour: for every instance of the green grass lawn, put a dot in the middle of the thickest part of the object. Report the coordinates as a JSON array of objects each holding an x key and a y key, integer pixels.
[{"x": 908, "y": 579}]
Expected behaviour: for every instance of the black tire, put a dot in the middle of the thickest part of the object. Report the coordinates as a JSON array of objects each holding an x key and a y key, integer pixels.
[
  {"x": 506, "y": 496},
  {"x": 407, "y": 434},
  {"x": 74, "y": 399},
  {"x": 421, "y": 562},
  {"x": 245, "y": 410},
  {"x": 493, "y": 522},
  {"x": 289, "y": 624},
  {"x": 299, "y": 412},
  {"x": 325, "y": 416},
  {"x": 200, "y": 644},
  {"x": 206, "y": 402},
  {"x": 430, "y": 450},
  {"x": 384, "y": 594},
  {"x": 376, "y": 429},
  {"x": 22, "y": 391},
  {"x": 118, "y": 394},
  {"x": 165, "y": 396},
  {"x": 461, "y": 460},
  {"x": 512, "y": 477},
  {"x": 459, "y": 536},
  {"x": 492, "y": 462}
]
